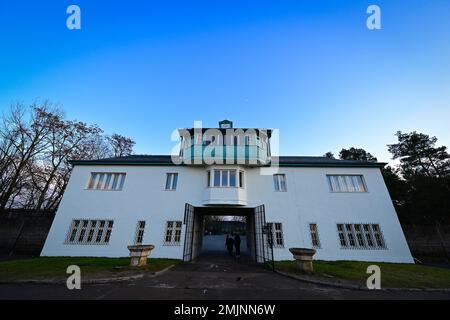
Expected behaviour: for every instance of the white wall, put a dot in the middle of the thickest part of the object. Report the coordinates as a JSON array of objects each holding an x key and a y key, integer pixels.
[{"x": 307, "y": 200}]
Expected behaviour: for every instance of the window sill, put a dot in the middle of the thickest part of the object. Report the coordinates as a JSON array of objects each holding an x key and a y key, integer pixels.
[
  {"x": 348, "y": 191},
  {"x": 172, "y": 244}
]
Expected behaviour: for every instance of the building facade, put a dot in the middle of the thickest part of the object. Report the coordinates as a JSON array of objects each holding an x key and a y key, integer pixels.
[{"x": 340, "y": 208}]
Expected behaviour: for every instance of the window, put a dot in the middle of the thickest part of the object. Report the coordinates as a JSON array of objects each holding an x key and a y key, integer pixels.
[
  {"x": 173, "y": 233},
  {"x": 139, "y": 237},
  {"x": 171, "y": 181},
  {"x": 89, "y": 232},
  {"x": 275, "y": 234},
  {"x": 208, "y": 178},
  {"x": 342, "y": 238},
  {"x": 224, "y": 178},
  {"x": 315, "y": 241},
  {"x": 378, "y": 236},
  {"x": 347, "y": 183},
  {"x": 241, "y": 179},
  {"x": 279, "y": 181},
  {"x": 106, "y": 181},
  {"x": 350, "y": 235},
  {"x": 368, "y": 234},
  {"x": 360, "y": 236}
]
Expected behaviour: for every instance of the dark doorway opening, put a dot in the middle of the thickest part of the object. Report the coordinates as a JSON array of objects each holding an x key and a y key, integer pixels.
[
  {"x": 251, "y": 225},
  {"x": 216, "y": 230}
]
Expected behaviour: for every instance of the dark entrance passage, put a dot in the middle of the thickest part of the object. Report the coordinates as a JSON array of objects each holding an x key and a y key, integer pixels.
[
  {"x": 216, "y": 231},
  {"x": 209, "y": 238}
]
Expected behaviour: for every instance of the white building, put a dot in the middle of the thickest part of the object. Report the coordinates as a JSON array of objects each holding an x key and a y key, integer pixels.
[{"x": 341, "y": 208}]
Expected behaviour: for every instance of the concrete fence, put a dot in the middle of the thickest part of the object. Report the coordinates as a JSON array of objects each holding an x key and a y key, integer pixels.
[{"x": 24, "y": 231}]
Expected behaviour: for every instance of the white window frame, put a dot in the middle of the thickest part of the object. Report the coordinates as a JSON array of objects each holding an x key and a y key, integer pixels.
[
  {"x": 314, "y": 235},
  {"x": 106, "y": 181},
  {"x": 277, "y": 182},
  {"x": 346, "y": 183},
  {"x": 241, "y": 179},
  {"x": 361, "y": 236},
  {"x": 222, "y": 174},
  {"x": 172, "y": 234},
  {"x": 140, "y": 232},
  {"x": 171, "y": 181},
  {"x": 88, "y": 231},
  {"x": 273, "y": 232}
]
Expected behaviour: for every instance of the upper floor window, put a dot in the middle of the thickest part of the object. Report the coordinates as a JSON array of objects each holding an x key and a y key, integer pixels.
[
  {"x": 346, "y": 183},
  {"x": 279, "y": 181},
  {"x": 171, "y": 181},
  {"x": 224, "y": 178},
  {"x": 106, "y": 181},
  {"x": 241, "y": 179}
]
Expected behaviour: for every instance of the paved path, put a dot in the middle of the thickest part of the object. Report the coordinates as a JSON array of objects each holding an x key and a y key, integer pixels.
[{"x": 222, "y": 278}]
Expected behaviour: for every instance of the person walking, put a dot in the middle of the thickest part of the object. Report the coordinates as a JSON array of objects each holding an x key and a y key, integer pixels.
[
  {"x": 237, "y": 245},
  {"x": 229, "y": 245}
]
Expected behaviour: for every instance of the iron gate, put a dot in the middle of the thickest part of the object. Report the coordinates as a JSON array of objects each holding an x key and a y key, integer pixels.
[
  {"x": 189, "y": 233},
  {"x": 263, "y": 241}
]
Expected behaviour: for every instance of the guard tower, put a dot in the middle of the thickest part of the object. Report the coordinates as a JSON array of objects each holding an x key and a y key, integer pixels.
[{"x": 225, "y": 145}]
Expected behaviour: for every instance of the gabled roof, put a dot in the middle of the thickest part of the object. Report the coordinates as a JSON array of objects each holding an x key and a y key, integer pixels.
[{"x": 284, "y": 161}]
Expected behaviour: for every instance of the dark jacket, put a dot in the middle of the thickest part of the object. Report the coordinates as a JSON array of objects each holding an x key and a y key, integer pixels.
[
  {"x": 237, "y": 240},
  {"x": 229, "y": 242}
]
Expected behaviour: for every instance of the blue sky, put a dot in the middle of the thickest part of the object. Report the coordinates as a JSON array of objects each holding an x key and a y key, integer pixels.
[{"x": 309, "y": 68}]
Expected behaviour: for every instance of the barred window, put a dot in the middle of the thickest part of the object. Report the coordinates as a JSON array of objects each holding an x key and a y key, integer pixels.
[
  {"x": 171, "y": 181},
  {"x": 378, "y": 235},
  {"x": 346, "y": 183},
  {"x": 350, "y": 235},
  {"x": 106, "y": 181},
  {"x": 342, "y": 238},
  {"x": 275, "y": 234},
  {"x": 173, "y": 233},
  {"x": 360, "y": 236},
  {"x": 369, "y": 237},
  {"x": 315, "y": 240},
  {"x": 84, "y": 232},
  {"x": 108, "y": 231},
  {"x": 140, "y": 228}
]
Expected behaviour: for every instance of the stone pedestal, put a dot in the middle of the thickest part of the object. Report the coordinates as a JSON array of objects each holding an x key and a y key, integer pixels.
[
  {"x": 139, "y": 254},
  {"x": 304, "y": 258}
]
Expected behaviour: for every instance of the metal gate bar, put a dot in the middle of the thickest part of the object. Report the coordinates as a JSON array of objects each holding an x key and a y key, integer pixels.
[
  {"x": 189, "y": 233},
  {"x": 263, "y": 242}
]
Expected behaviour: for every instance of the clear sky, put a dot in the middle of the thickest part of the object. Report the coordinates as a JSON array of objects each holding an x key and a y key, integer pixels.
[{"x": 309, "y": 68}]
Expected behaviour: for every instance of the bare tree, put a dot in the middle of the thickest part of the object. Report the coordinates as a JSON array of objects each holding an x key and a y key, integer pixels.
[
  {"x": 29, "y": 141},
  {"x": 64, "y": 141},
  {"x": 121, "y": 146},
  {"x": 36, "y": 146}
]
